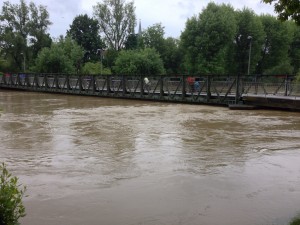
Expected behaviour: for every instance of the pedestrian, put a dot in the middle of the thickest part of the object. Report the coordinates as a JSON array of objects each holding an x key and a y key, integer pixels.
[
  {"x": 197, "y": 86},
  {"x": 147, "y": 84},
  {"x": 191, "y": 81}
]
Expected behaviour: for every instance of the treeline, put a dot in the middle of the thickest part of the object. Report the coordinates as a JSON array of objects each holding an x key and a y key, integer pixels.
[{"x": 219, "y": 40}]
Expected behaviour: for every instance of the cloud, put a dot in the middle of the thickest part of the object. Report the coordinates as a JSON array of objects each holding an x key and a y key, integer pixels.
[{"x": 172, "y": 14}]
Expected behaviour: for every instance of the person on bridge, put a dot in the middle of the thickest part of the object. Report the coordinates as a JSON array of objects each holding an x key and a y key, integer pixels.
[
  {"x": 191, "y": 81},
  {"x": 197, "y": 86},
  {"x": 147, "y": 84}
]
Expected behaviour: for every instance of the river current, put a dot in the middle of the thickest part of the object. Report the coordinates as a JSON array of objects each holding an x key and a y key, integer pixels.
[{"x": 92, "y": 160}]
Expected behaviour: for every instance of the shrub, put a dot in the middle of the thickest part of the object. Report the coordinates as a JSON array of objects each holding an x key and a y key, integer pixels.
[
  {"x": 11, "y": 194},
  {"x": 295, "y": 221}
]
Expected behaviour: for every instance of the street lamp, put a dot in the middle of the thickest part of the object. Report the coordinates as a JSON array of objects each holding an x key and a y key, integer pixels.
[
  {"x": 24, "y": 66},
  {"x": 249, "y": 60},
  {"x": 100, "y": 51}
]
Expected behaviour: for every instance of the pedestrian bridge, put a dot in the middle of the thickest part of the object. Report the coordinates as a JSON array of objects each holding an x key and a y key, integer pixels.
[{"x": 276, "y": 91}]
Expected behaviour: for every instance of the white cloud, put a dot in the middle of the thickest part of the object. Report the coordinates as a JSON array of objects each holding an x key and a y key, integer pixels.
[{"x": 171, "y": 13}]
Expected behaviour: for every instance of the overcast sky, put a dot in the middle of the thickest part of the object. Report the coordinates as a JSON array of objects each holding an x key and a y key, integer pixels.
[{"x": 171, "y": 13}]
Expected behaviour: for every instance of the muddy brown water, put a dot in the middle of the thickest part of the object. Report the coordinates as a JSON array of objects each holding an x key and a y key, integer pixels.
[{"x": 89, "y": 160}]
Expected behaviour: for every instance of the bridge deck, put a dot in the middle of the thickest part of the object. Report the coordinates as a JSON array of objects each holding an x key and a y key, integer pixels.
[{"x": 270, "y": 91}]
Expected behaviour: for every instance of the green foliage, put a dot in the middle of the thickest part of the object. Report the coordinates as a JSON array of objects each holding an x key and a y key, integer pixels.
[
  {"x": 208, "y": 38},
  {"x": 153, "y": 37},
  {"x": 94, "y": 68},
  {"x": 23, "y": 30},
  {"x": 172, "y": 56},
  {"x": 4, "y": 64},
  {"x": 11, "y": 194},
  {"x": 298, "y": 76},
  {"x": 276, "y": 47},
  {"x": 85, "y": 31},
  {"x": 295, "y": 221},
  {"x": 295, "y": 48},
  {"x": 64, "y": 56},
  {"x": 286, "y": 9},
  {"x": 117, "y": 21},
  {"x": 250, "y": 33},
  {"x": 131, "y": 42},
  {"x": 145, "y": 61}
]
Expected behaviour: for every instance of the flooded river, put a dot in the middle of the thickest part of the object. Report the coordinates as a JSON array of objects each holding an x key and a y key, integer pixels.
[{"x": 91, "y": 161}]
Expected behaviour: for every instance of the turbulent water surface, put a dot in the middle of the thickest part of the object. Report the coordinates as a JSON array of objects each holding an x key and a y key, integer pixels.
[{"x": 89, "y": 160}]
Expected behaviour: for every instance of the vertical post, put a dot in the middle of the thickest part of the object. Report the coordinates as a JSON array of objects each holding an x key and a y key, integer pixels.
[
  {"x": 183, "y": 87},
  {"x": 80, "y": 83},
  {"x": 93, "y": 84},
  {"x": 237, "y": 91},
  {"x": 142, "y": 86},
  {"x": 46, "y": 82},
  {"x": 108, "y": 77},
  {"x": 249, "y": 59},
  {"x": 68, "y": 83},
  {"x": 123, "y": 85},
  {"x": 286, "y": 85},
  {"x": 161, "y": 87},
  {"x": 100, "y": 51},
  {"x": 56, "y": 82},
  {"x": 208, "y": 84}
]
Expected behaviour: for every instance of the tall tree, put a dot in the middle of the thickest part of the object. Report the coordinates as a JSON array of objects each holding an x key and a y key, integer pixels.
[
  {"x": 85, "y": 31},
  {"x": 207, "y": 39},
  {"x": 172, "y": 55},
  {"x": 295, "y": 49},
  {"x": 286, "y": 9},
  {"x": 117, "y": 20},
  {"x": 22, "y": 24},
  {"x": 276, "y": 47},
  {"x": 249, "y": 40},
  {"x": 38, "y": 26},
  {"x": 153, "y": 37}
]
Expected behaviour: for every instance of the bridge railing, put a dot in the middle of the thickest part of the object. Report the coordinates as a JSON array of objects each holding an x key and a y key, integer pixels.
[
  {"x": 197, "y": 88},
  {"x": 271, "y": 85}
]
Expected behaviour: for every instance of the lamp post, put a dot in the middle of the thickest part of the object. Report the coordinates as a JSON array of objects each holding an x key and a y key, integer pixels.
[
  {"x": 100, "y": 51},
  {"x": 249, "y": 60},
  {"x": 24, "y": 65}
]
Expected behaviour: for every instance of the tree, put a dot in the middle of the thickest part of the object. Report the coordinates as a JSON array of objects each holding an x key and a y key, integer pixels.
[
  {"x": 275, "y": 51},
  {"x": 11, "y": 194},
  {"x": 85, "y": 31},
  {"x": 131, "y": 42},
  {"x": 172, "y": 56},
  {"x": 64, "y": 56},
  {"x": 38, "y": 26},
  {"x": 94, "y": 68},
  {"x": 295, "y": 49},
  {"x": 144, "y": 61},
  {"x": 207, "y": 39},
  {"x": 153, "y": 37},
  {"x": 250, "y": 33},
  {"x": 20, "y": 25},
  {"x": 286, "y": 9},
  {"x": 117, "y": 20}
]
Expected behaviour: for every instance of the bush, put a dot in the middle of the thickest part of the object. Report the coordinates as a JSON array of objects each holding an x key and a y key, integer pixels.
[
  {"x": 11, "y": 194},
  {"x": 142, "y": 61},
  {"x": 295, "y": 221}
]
